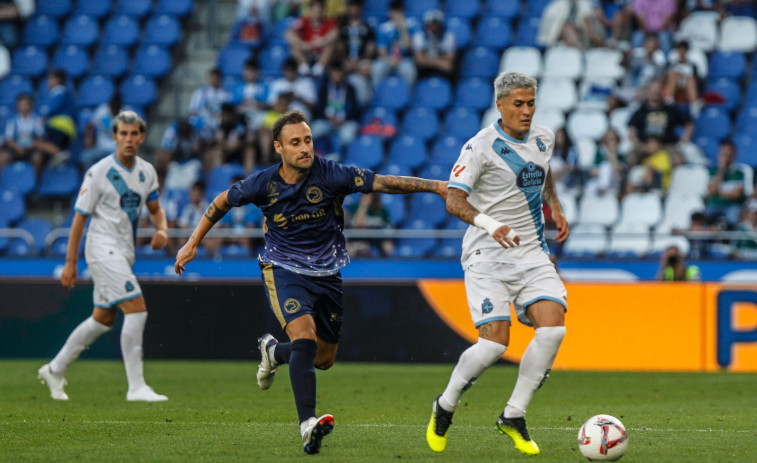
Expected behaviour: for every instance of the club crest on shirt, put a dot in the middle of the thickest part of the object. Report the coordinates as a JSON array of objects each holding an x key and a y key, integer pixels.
[
  {"x": 129, "y": 286},
  {"x": 314, "y": 194},
  {"x": 531, "y": 177},
  {"x": 141, "y": 176},
  {"x": 540, "y": 145},
  {"x": 292, "y": 305},
  {"x": 487, "y": 306}
]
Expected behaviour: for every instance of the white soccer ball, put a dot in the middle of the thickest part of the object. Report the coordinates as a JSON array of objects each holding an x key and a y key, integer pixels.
[{"x": 602, "y": 438}]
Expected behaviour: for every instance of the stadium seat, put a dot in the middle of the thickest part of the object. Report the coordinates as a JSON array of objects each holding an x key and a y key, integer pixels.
[
  {"x": 563, "y": 61},
  {"x": 416, "y": 8},
  {"x": 234, "y": 251},
  {"x": 629, "y": 240},
  {"x": 700, "y": 29},
  {"x": 586, "y": 150},
  {"x": 409, "y": 151},
  {"x": 552, "y": 118},
  {"x": 746, "y": 121},
  {"x": 738, "y": 33},
  {"x": 163, "y": 30},
  {"x": 80, "y": 30},
  {"x": 39, "y": 228},
  {"x": 395, "y": 169},
  {"x": 220, "y": 178},
  {"x": 603, "y": 63},
  {"x": 569, "y": 203},
  {"x": 534, "y": 8},
  {"x": 433, "y": 92},
  {"x": 507, "y": 10},
  {"x": 435, "y": 171},
  {"x": 231, "y": 60},
  {"x": 746, "y": 149},
  {"x": 462, "y": 122},
  {"x": 474, "y": 93},
  {"x": 589, "y": 123},
  {"x": 528, "y": 29},
  {"x": 677, "y": 211},
  {"x": 415, "y": 247},
  {"x": 392, "y": 93},
  {"x": 640, "y": 208},
  {"x": 152, "y": 60},
  {"x": 366, "y": 151},
  {"x": 730, "y": 64},
  {"x": 729, "y": 89},
  {"x": 594, "y": 92},
  {"x": 689, "y": 179},
  {"x": 380, "y": 120},
  {"x": 55, "y": 8},
  {"x": 558, "y": 93},
  {"x": 522, "y": 59},
  {"x": 72, "y": 59},
  {"x": 95, "y": 90},
  {"x": 138, "y": 90},
  {"x": 30, "y": 61},
  {"x": 709, "y": 147},
  {"x": 586, "y": 240},
  {"x": 494, "y": 32},
  {"x": 420, "y": 122},
  {"x": 271, "y": 59},
  {"x": 12, "y": 207},
  {"x": 598, "y": 209},
  {"x": 277, "y": 34},
  {"x": 428, "y": 207},
  {"x": 136, "y": 8},
  {"x": 376, "y": 8},
  {"x": 59, "y": 181},
  {"x": 19, "y": 177},
  {"x": 180, "y": 8},
  {"x": 95, "y": 8},
  {"x": 121, "y": 30},
  {"x": 111, "y": 61},
  {"x": 467, "y": 10},
  {"x": 446, "y": 150},
  {"x": 395, "y": 206},
  {"x": 713, "y": 122},
  {"x": 480, "y": 62},
  {"x": 12, "y": 86},
  {"x": 41, "y": 31},
  {"x": 461, "y": 29}
]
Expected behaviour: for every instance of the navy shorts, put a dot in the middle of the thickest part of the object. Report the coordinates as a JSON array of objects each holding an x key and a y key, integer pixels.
[{"x": 292, "y": 295}]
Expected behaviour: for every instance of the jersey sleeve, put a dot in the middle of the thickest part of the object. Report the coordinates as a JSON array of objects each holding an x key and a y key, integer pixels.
[
  {"x": 246, "y": 191},
  {"x": 350, "y": 179},
  {"x": 153, "y": 187},
  {"x": 88, "y": 194},
  {"x": 467, "y": 168}
]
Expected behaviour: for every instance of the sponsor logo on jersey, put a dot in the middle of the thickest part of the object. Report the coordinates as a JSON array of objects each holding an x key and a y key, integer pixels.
[
  {"x": 292, "y": 305},
  {"x": 314, "y": 194},
  {"x": 505, "y": 151},
  {"x": 540, "y": 145},
  {"x": 280, "y": 220},
  {"x": 468, "y": 147},
  {"x": 458, "y": 169},
  {"x": 531, "y": 176}
]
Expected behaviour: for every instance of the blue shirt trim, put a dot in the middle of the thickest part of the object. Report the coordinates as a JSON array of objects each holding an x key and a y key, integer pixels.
[
  {"x": 508, "y": 137},
  {"x": 546, "y": 298},
  {"x": 127, "y": 298},
  {"x": 461, "y": 186},
  {"x": 154, "y": 196},
  {"x": 81, "y": 211},
  {"x": 125, "y": 168},
  {"x": 493, "y": 319}
]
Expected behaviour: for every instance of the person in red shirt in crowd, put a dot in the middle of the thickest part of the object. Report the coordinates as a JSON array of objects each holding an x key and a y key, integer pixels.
[{"x": 312, "y": 39}]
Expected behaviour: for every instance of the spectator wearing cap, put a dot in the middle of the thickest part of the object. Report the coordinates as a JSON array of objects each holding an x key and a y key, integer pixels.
[{"x": 434, "y": 48}]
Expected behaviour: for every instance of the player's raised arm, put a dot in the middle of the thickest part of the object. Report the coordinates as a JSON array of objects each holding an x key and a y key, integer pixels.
[
  {"x": 459, "y": 206},
  {"x": 395, "y": 184},
  {"x": 215, "y": 212},
  {"x": 550, "y": 197}
]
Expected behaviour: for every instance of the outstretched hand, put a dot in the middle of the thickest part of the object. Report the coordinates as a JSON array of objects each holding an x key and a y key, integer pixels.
[
  {"x": 563, "y": 229},
  {"x": 185, "y": 254}
]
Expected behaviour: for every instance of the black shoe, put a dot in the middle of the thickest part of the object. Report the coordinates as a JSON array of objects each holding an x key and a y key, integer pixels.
[{"x": 321, "y": 428}]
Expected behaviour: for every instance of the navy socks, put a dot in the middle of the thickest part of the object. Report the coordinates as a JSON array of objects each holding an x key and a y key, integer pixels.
[{"x": 302, "y": 374}]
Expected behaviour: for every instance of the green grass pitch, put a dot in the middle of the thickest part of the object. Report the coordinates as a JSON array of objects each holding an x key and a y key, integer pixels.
[{"x": 217, "y": 413}]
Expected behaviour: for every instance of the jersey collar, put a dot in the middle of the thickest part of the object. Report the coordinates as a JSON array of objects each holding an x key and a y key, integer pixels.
[
  {"x": 508, "y": 137},
  {"x": 115, "y": 158}
]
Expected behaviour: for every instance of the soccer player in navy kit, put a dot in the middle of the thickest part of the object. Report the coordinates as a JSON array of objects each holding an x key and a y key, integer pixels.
[{"x": 301, "y": 199}]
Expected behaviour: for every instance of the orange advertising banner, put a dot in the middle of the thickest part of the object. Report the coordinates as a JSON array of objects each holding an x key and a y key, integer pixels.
[{"x": 641, "y": 326}]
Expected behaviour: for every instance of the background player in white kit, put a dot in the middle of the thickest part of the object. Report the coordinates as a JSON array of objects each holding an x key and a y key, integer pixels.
[
  {"x": 498, "y": 184},
  {"x": 112, "y": 193}
]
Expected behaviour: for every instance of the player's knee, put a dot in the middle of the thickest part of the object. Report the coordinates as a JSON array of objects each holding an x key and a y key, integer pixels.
[{"x": 324, "y": 364}]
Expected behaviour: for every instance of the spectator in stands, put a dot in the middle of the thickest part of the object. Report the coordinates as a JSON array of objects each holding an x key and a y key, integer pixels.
[
  {"x": 746, "y": 245},
  {"x": 654, "y": 16},
  {"x": 681, "y": 81},
  {"x": 301, "y": 88},
  {"x": 369, "y": 213},
  {"x": 193, "y": 211},
  {"x": 336, "y": 112},
  {"x": 251, "y": 96},
  {"x": 394, "y": 44},
  {"x": 700, "y": 246},
  {"x": 725, "y": 192},
  {"x": 564, "y": 162},
  {"x": 573, "y": 22},
  {"x": 179, "y": 157},
  {"x": 312, "y": 39},
  {"x": 205, "y": 105},
  {"x": 98, "y": 133},
  {"x": 608, "y": 173},
  {"x": 265, "y": 133},
  {"x": 616, "y": 19},
  {"x": 646, "y": 63},
  {"x": 357, "y": 48},
  {"x": 60, "y": 125},
  {"x": 22, "y": 130},
  {"x": 231, "y": 143},
  {"x": 263, "y": 7},
  {"x": 434, "y": 49},
  {"x": 249, "y": 29},
  {"x": 654, "y": 169},
  {"x": 12, "y": 13},
  {"x": 673, "y": 267}
]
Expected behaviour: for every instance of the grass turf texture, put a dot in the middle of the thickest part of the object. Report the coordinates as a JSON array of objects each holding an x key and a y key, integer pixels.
[{"x": 217, "y": 413}]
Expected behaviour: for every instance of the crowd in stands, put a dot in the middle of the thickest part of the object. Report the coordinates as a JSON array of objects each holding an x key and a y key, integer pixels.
[{"x": 652, "y": 103}]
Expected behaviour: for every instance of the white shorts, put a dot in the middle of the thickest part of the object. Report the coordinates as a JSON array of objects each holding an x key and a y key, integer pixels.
[
  {"x": 114, "y": 281},
  {"x": 492, "y": 286}
]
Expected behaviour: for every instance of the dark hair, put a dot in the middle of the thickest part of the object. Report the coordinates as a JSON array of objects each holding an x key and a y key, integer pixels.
[
  {"x": 396, "y": 5},
  {"x": 57, "y": 73},
  {"x": 698, "y": 217},
  {"x": 251, "y": 63},
  {"x": 216, "y": 72},
  {"x": 728, "y": 142},
  {"x": 290, "y": 117},
  {"x": 24, "y": 96},
  {"x": 200, "y": 184}
]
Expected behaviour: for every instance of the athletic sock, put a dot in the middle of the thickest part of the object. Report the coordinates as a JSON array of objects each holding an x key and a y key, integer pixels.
[
  {"x": 473, "y": 362},
  {"x": 281, "y": 352},
  {"x": 534, "y": 368},
  {"x": 302, "y": 376},
  {"x": 80, "y": 338},
  {"x": 131, "y": 348}
]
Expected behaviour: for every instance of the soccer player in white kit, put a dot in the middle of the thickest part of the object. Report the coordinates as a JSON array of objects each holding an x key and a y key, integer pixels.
[
  {"x": 498, "y": 185},
  {"x": 112, "y": 194}
]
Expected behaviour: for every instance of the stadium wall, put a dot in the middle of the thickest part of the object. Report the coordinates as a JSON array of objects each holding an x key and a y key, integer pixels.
[{"x": 611, "y": 326}]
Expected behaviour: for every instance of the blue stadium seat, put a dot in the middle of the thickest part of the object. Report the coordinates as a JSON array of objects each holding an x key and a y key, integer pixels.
[
  {"x": 434, "y": 171},
  {"x": 73, "y": 59},
  {"x": 234, "y": 251},
  {"x": 94, "y": 8},
  {"x": 730, "y": 90},
  {"x": 56, "y": 8},
  {"x": 731, "y": 64},
  {"x": 474, "y": 93},
  {"x": 19, "y": 177},
  {"x": 386, "y": 117},
  {"x": 710, "y": 147},
  {"x": 137, "y": 8},
  {"x": 41, "y": 31},
  {"x": 12, "y": 207},
  {"x": 376, "y": 8},
  {"x": 480, "y": 62},
  {"x": 433, "y": 92},
  {"x": 271, "y": 59},
  {"x": 395, "y": 169},
  {"x": 493, "y": 32},
  {"x": 409, "y": 151},
  {"x": 80, "y": 30},
  {"x": 232, "y": 58},
  {"x": 94, "y": 90},
  {"x": 420, "y": 122},
  {"x": 39, "y": 228},
  {"x": 392, "y": 93},
  {"x": 152, "y": 60},
  {"x": 446, "y": 150},
  {"x": 253, "y": 216},
  {"x": 111, "y": 61},
  {"x": 713, "y": 122},
  {"x": 415, "y": 247},
  {"x": 29, "y": 61},
  {"x": 59, "y": 181},
  {"x": 395, "y": 206},
  {"x": 139, "y": 90},
  {"x": 462, "y": 123},
  {"x": 220, "y": 178},
  {"x": 162, "y": 29},
  {"x": 500, "y": 9},
  {"x": 535, "y": 7},
  {"x": 366, "y": 151},
  {"x": 462, "y": 9},
  {"x": 276, "y": 34},
  {"x": 179, "y": 8},
  {"x": 461, "y": 29},
  {"x": 3, "y": 240},
  {"x": 746, "y": 149},
  {"x": 146, "y": 250},
  {"x": 121, "y": 30},
  {"x": 428, "y": 207},
  {"x": 525, "y": 35},
  {"x": 746, "y": 121},
  {"x": 12, "y": 86},
  {"x": 416, "y": 8}
]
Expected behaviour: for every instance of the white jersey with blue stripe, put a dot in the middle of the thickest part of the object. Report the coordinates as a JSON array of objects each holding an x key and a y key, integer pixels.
[
  {"x": 114, "y": 195},
  {"x": 505, "y": 178}
]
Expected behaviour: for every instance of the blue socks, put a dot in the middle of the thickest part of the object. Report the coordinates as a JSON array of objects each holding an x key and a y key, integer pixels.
[{"x": 301, "y": 374}]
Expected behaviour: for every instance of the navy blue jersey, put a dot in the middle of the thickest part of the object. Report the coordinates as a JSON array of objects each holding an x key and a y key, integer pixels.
[{"x": 304, "y": 222}]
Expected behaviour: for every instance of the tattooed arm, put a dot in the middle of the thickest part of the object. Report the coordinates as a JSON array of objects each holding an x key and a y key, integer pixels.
[
  {"x": 397, "y": 184},
  {"x": 215, "y": 212},
  {"x": 550, "y": 197}
]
